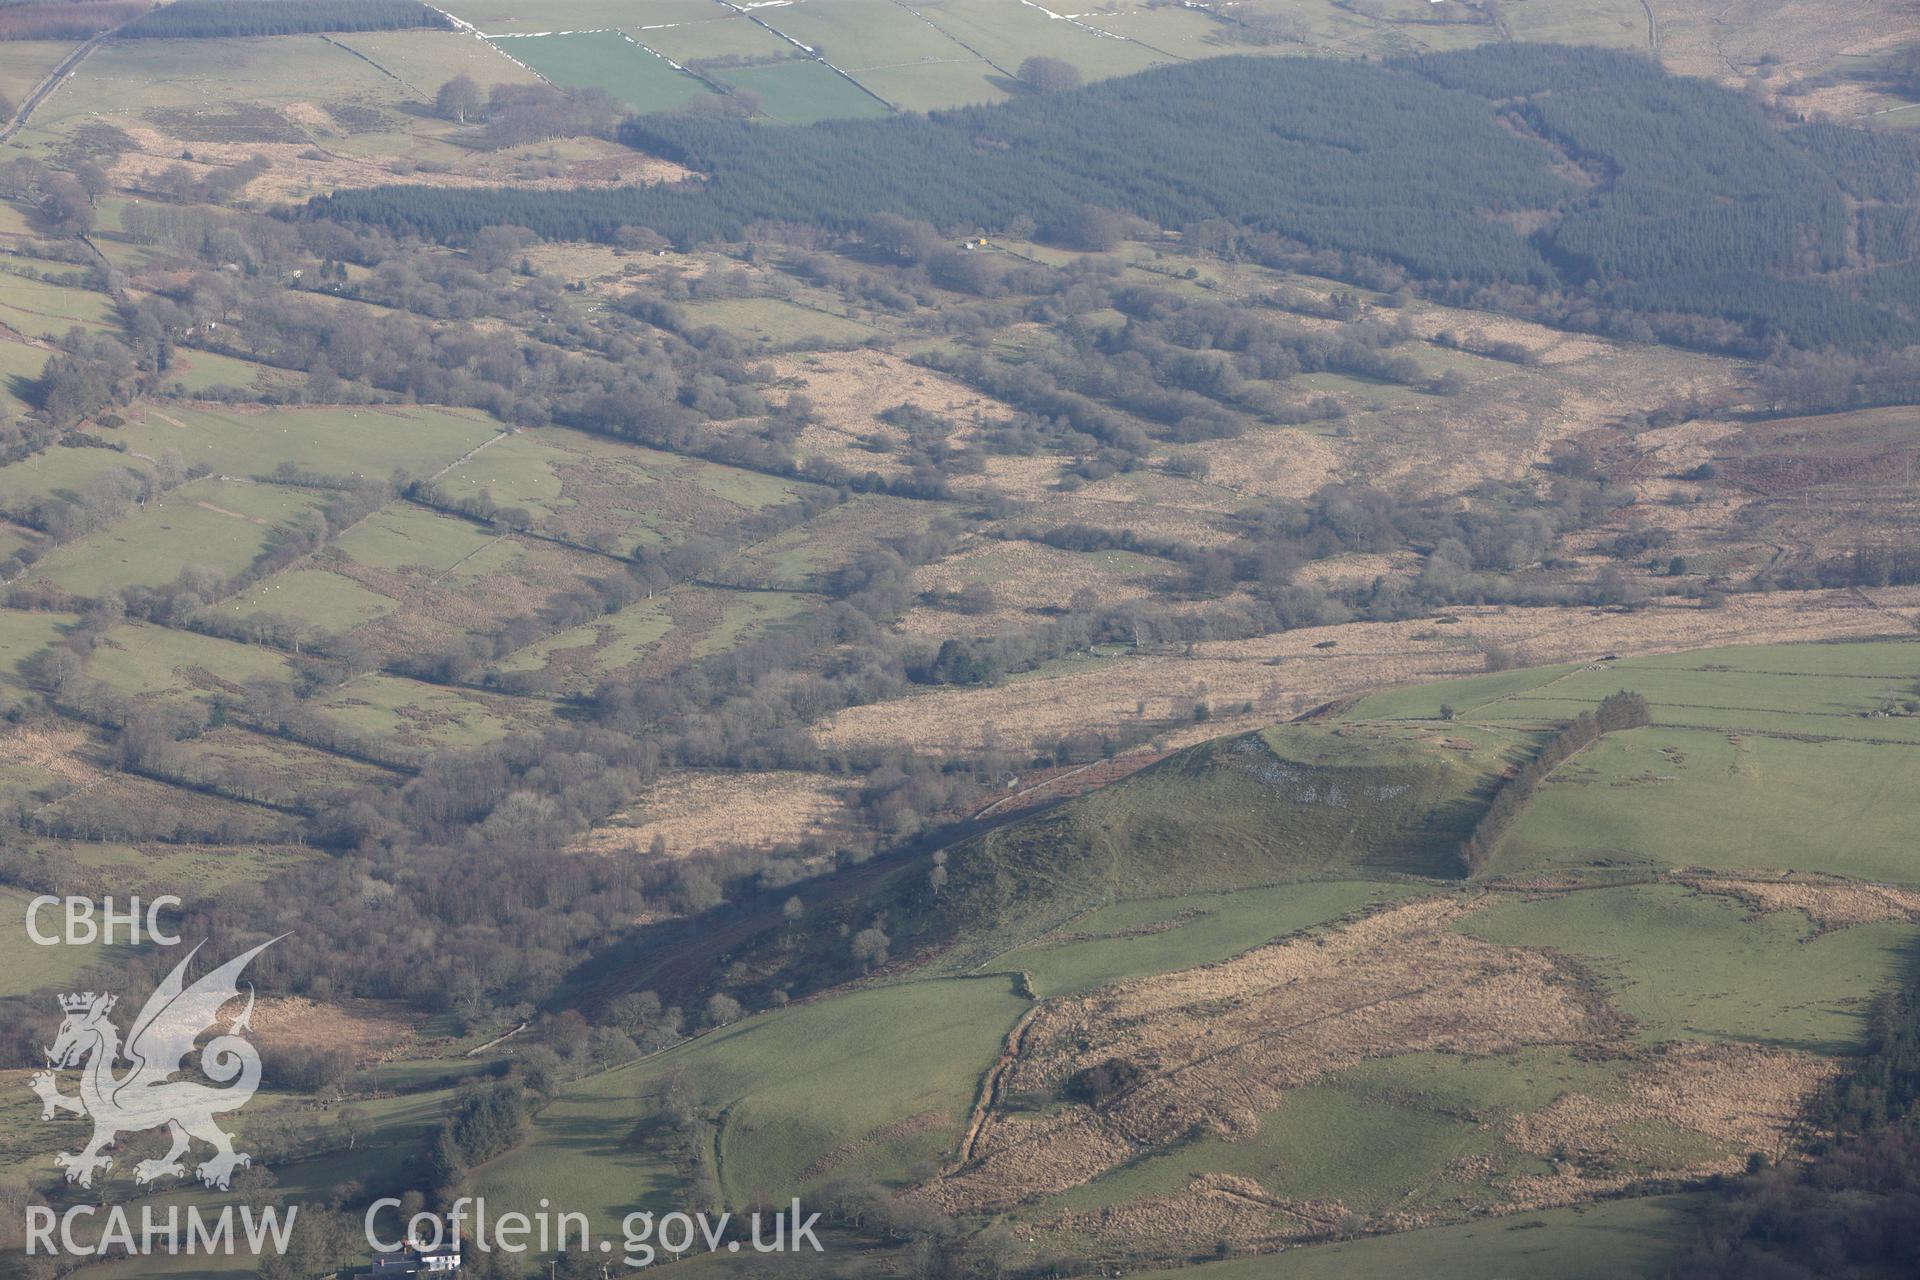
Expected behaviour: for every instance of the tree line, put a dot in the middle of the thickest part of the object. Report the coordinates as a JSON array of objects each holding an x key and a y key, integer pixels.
[
  {"x": 1622, "y": 710},
  {"x": 209, "y": 19}
]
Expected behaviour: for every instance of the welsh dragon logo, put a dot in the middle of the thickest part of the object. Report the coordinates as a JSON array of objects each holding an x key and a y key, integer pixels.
[{"x": 146, "y": 1094}]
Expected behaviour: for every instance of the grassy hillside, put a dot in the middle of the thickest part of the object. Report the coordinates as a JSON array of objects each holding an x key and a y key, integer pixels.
[
  {"x": 1764, "y": 758},
  {"x": 1209, "y": 909},
  {"x": 1269, "y": 930},
  {"x": 1687, "y": 965},
  {"x": 790, "y": 1104},
  {"x": 1593, "y": 1242},
  {"x": 1291, "y": 803}
]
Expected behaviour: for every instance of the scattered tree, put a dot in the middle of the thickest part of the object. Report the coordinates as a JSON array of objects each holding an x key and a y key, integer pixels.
[
  {"x": 458, "y": 99},
  {"x": 1050, "y": 75}
]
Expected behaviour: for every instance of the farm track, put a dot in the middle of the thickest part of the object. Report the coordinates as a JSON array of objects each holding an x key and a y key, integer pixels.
[
  {"x": 44, "y": 90},
  {"x": 1038, "y": 786},
  {"x": 500, "y": 1039}
]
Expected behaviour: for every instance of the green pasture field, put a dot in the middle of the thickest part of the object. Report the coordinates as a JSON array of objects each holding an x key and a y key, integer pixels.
[
  {"x": 20, "y": 368},
  {"x": 521, "y": 470},
  {"x": 1381, "y": 1137},
  {"x": 167, "y": 807},
  {"x": 15, "y": 537},
  {"x": 27, "y": 966},
  {"x": 751, "y": 489},
  {"x": 1424, "y": 701},
  {"x": 777, "y": 323},
  {"x": 216, "y": 524},
  {"x": 608, "y": 60},
  {"x": 25, "y": 63},
  {"x": 61, "y": 472},
  {"x": 1900, "y": 729},
  {"x": 14, "y": 214},
  {"x": 1829, "y": 690},
  {"x": 194, "y": 372},
  {"x": 125, "y": 79},
  {"x": 686, "y": 623},
  {"x": 328, "y": 602},
  {"x": 854, "y": 34},
  {"x": 1008, "y": 33},
  {"x": 447, "y": 578},
  {"x": 1169, "y": 29},
  {"x": 152, "y": 868},
  {"x": 1786, "y": 761},
  {"x": 1607, "y": 1240},
  {"x": 1700, "y": 692},
  {"x": 22, "y": 635},
  {"x": 370, "y": 442},
  {"x": 1883, "y": 659},
  {"x": 398, "y": 1128},
  {"x": 1619, "y": 23},
  {"x": 404, "y": 536},
  {"x": 745, "y": 614},
  {"x": 1870, "y": 701},
  {"x": 131, "y": 256},
  {"x": 579, "y": 657},
  {"x": 421, "y": 716},
  {"x": 1696, "y": 966},
  {"x": 719, "y": 34},
  {"x": 675, "y": 627},
  {"x": 837, "y": 536},
  {"x": 428, "y": 59},
  {"x": 109, "y": 212},
  {"x": 277, "y": 771},
  {"x": 793, "y": 1087},
  {"x": 603, "y": 492},
  {"x": 802, "y": 91},
  {"x": 24, "y": 264},
  {"x": 1159, "y": 935},
  {"x": 42, "y": 310},
  {"x": 931, "y": 86},
  {"x": 165, "y": 662},
  {"x": 1661, "y": 798},
  {"x": 578, "y": 15},
  {"x": 1360, "y": 393}
]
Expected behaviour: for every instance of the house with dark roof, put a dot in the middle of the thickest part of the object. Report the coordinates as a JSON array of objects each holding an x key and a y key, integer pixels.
[{"x": 412, "y": 1261}]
